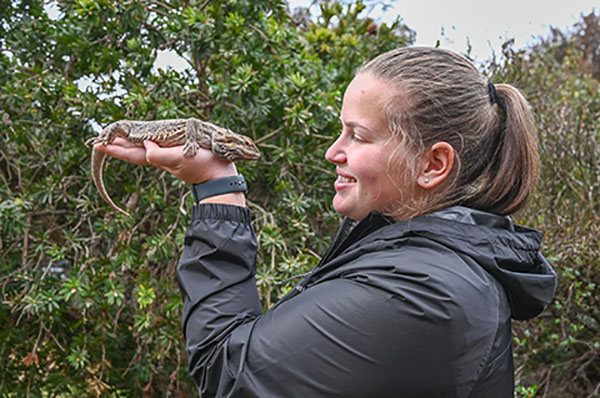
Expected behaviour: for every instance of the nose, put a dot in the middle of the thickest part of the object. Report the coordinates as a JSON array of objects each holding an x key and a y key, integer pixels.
[{"x": 335, "y": 154}]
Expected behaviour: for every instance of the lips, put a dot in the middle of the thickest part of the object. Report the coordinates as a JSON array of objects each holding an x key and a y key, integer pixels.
[{"x": 343, "y": 181}]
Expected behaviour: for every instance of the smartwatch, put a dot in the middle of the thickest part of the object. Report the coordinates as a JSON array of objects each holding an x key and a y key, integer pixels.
[{"x": 219, "y": 186}]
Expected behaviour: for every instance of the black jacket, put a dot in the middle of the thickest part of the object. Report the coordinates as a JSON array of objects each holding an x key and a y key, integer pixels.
[{"x": 418, "y": 308}]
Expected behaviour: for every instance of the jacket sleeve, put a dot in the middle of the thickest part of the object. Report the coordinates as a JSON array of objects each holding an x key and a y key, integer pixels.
[{"x": 339, "y": 338}]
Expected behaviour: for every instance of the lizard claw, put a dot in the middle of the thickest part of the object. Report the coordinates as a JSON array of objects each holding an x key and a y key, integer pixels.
[
  {"x": 230, "y": 156},
  {"x": 93, "y": 141},
  {"x": 190, "y": 148}
]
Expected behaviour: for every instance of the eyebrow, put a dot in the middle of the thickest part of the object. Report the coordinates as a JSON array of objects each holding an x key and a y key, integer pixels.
[{"x": 354, "y": 124}]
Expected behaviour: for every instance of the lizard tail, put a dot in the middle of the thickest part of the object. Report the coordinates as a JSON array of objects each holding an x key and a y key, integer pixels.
[{"x": 97, "y": 163}]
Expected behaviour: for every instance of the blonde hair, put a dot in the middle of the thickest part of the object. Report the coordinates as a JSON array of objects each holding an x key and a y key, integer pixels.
[{"x": 441, "y": 96}]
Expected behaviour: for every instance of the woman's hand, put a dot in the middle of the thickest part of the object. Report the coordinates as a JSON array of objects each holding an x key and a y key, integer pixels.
[
  {"x": 202, "y": 167},
  {"x": 193, "y": 170},
  {"x": 125, "y": 150}
]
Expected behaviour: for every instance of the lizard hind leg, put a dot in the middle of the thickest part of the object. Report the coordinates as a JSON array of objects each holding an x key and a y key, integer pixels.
[
  {"x": 92, "y": 141},
  {"x": 109, "y": 133},
  {"x": 122, "y": 128}
]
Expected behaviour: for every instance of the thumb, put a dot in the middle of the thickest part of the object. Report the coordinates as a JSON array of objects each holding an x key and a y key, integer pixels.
[
  {"x": 150, "y": 145},
  {"x": 162, "y": 157},
  {"x": 152, "y": 149}
]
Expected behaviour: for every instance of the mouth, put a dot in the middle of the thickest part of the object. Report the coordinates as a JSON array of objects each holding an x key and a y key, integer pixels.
[
  {"x": 345, "y": 179},
  {"x": 343, "y": 182}
]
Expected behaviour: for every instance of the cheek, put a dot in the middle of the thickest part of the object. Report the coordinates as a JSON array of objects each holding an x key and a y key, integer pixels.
[
  {"x": 369, "y": 176},
  {"x": 372, "y": 175}
]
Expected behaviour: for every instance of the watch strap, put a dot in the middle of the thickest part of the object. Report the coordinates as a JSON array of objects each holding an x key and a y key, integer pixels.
[{"x": 219, "y": 186}]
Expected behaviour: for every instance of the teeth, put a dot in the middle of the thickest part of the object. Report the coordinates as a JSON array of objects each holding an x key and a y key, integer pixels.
[{"x": 346, "y": 179}]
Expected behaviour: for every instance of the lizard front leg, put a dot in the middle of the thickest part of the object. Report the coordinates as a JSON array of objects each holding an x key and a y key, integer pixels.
[{"x": 196, "y": 136}]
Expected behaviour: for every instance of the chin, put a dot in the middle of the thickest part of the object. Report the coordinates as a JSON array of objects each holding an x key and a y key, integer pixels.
[{"x": 347, "y": 212}]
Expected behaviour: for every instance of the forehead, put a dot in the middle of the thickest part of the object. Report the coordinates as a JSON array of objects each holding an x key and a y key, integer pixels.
[
  {"x": 364, "y": 101},
  {"x": 367, "y": 89},
  {"x": 368, "y": 86}
]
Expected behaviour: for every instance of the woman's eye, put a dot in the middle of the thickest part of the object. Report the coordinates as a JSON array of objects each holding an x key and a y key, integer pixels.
[
  {"x": 353, "y": 135},
  {"x": 358, "y": 138}
]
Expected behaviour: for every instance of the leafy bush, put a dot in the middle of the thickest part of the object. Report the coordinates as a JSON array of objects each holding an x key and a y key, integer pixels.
[
  {"x": 90, "y": 305},
  {"x": 557, "y": 354}
]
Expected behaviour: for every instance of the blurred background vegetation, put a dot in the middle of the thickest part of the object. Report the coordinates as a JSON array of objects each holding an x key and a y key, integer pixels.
[{"x": 89, "y": 303}]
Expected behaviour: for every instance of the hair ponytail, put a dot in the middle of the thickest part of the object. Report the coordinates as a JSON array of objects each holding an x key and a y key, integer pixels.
[{"x": 510, "y": 178}]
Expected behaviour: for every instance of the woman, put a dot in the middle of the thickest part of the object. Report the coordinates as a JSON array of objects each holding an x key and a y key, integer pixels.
[{"x": 414, "y": 298}]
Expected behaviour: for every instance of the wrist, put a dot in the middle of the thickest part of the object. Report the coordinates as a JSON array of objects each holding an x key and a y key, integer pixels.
[
  {"x": 226, "y": 169},
  {"x": 234, "y": 198},
  {"x": 228, "y": 189}
]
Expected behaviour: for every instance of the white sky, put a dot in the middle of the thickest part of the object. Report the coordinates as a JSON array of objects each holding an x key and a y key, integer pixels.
[{"x": 486, "y": 24}]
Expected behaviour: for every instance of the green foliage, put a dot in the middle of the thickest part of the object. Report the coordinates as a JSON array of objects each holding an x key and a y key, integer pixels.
[
  {"x": 584, "y": 38},
  {"x": 559, "y": 351},
  {"x": 90, "y": 306},
  {"x": 526, "y": 392}
]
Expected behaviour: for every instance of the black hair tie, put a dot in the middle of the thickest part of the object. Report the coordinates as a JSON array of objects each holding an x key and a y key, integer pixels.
[{"x": 493, "y": 96}]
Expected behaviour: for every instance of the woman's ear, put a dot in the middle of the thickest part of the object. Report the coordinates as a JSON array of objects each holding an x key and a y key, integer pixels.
[{"x": 436, "y": 165}]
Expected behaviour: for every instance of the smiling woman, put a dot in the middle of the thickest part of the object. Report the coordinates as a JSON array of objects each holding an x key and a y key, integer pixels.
[
  {"x": 414, "y": 297},
  {"x": 363, "y": 150}
]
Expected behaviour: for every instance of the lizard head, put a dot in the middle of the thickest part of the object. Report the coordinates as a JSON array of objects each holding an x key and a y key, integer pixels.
[{"x": 235, "y": 147}]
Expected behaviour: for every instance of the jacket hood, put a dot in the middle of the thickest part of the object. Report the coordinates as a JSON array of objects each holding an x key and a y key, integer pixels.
[{"x": 509, "y": 252}]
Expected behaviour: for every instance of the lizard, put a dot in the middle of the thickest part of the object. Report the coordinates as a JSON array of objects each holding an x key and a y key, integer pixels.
[{"x": 193, "y": 133}]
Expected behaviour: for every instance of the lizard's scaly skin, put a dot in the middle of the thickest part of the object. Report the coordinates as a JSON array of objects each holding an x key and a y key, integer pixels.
[{"x": 193, "y": 133}]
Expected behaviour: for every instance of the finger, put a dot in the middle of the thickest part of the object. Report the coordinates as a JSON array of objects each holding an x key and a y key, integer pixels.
[
  {"x": 121, "y": 142},
  {"x": 201, "y": 167},
  {"x": 129, "y": 153},
  {"x": 163, "y": 157},
  {"x": 125, "y": 142}
]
